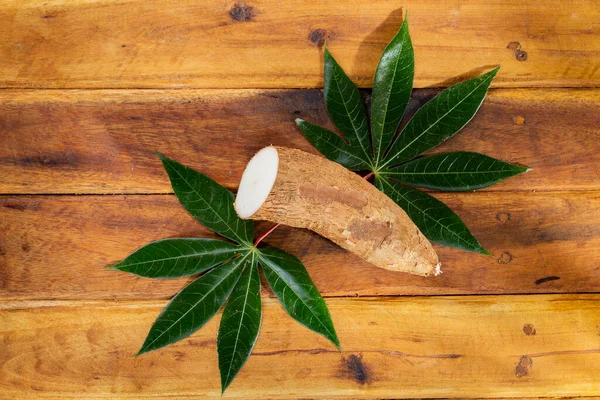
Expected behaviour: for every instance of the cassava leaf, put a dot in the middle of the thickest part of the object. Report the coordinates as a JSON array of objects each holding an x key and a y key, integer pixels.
[
  {"x": 332, "y": 146},
  {"x": 345, "y": 106},
  {"x": 454, "y": 171},
  {"x": 240, "y": 324},
  {"x": 174, "y": 258},
  {"x": 195, "y": 305},
  {"x": 209, "y": 202},
  {"x": 296, "y": 291},
  {"x": 439, "y": 119},
  {"x": 391, "y": 89},
  {"x": 437, "y": 222}
]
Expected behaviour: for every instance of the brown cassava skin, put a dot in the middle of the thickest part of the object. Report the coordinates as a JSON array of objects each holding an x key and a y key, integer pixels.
[{"x": 315, "y": 193}]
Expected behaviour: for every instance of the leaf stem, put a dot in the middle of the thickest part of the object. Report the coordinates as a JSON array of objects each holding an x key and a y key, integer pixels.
[
  {"x": 370, "y": 174},
  {"x": 264, "y": 235}
]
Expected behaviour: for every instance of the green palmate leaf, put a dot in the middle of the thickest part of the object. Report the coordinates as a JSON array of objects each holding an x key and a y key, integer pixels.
[
  {"x": 240, "y": 324},
  {"x": 333, "y": 147},
  {"x": 454, "y": 171},
  {"x": 391, "y": 89},
  {"x": 209, "y": 202},
  {"x": 174, "y": 258},
  {"x": 439, "y": 119},
  {"x": 437, "y": 222},
  {"x": 195, "y": 305},
  {"x": 345, "y": 106},
  {"x": 296, "y": 291}
]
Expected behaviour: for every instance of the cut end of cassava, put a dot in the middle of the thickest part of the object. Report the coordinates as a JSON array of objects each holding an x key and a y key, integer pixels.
[{"x": 257, "y": 181}]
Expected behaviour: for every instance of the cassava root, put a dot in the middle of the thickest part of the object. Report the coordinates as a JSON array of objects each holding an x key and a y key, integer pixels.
[{"x": 295, "y": 188}]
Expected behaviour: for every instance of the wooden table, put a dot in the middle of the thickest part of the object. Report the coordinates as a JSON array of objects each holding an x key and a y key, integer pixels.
[{"x": 91, "y": 88}]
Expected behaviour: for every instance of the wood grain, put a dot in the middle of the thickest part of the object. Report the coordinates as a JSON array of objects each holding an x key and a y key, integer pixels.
[
  {"x": 57, "y": 247},
  {"x": 420, "y": 347},
  {"x": 274, "y": 44},
  {"x": 211, "y": 82},
  {"x": 102, "y": 141}
]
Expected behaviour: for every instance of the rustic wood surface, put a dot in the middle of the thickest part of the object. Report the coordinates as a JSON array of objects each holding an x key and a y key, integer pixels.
[
  {"x": 89, "y": 89},
  {"x": 103, "y": 141},
  {"x": 56, "y": 247},
  {"x": 270, "y": 43},
  {"x": 485, "y": 346}
]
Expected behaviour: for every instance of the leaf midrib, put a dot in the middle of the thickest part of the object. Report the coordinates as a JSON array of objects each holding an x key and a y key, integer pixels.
[
  {"x": 209, "y": 206},
  {"x": 212, "y": 289},
  {"x": 431, "y": 125},
  {"x": 348, "y": 113},
  {"x": 187, "y": 256},
  {"x": 445, "y": 172},
  {"x": 241, "y": 319},
  {"x": 344, "y": 150},
  {"x": 460, "y": 239},
  {"x": 387, "y": 103},
  {"x": 266, "y": 261}
]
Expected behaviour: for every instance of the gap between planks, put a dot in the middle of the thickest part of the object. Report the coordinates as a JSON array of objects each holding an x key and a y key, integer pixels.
[
  {"x": 15, "y": 304},
  {"x": 490, "y": 191}
]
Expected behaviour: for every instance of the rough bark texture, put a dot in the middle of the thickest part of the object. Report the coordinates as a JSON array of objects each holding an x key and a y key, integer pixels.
[{"x": 315, "y": 193}]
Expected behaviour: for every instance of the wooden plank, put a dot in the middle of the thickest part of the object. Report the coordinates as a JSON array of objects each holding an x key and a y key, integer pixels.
[
  {"x": 268, "y": 43},
  {"x": 57, "y": 248},
  {"x": 476, "y": 346},
  {"x": 102, "y": 141}
]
